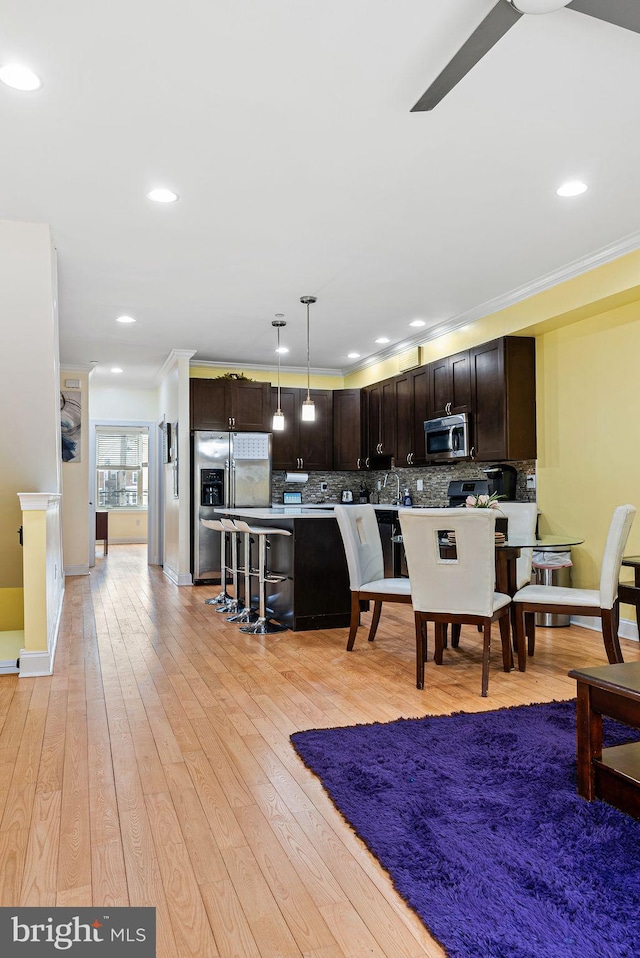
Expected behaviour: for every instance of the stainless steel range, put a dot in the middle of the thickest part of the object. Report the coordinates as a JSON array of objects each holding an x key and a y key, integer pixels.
[{"x": 459, "y": 489}]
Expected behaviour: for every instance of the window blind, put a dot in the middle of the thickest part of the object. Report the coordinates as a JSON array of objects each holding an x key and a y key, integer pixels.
[{"x": 121, "y": 450}]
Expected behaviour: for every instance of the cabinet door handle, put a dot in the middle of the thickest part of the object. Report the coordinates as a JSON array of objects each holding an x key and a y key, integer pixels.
[
  {"x": 472, "y": 453},
  {"x": 408, "y": 458},
  {"x": 366, "y": 463},
  {"x": 358, "y": 461},
  {"x": 302, "y": 463}
]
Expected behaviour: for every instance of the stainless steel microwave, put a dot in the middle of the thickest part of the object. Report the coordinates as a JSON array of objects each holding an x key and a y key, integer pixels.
[{"x": 447, "y": 439}]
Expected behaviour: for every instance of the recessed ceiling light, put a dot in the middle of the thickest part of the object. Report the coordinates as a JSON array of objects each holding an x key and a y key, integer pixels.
[
  {"x": 418, "y": 322},
  {"x": 125, "y": 319},
  {"x": 116, "y": 369},
  {"x": 282, "y": 349},
  {"x": 572, "y": 188},
  {"x": 20, "y": 77},
  {"x": 162, "y": 195},
  {"x": 383, "y": 339},
  {"x": 353, "y": 355}
]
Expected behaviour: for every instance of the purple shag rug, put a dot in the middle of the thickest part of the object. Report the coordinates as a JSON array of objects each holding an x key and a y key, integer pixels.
[{"x": 477, "y": 820}]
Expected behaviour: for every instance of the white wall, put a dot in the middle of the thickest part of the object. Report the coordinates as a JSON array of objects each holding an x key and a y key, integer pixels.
[
  {"x": 29, "y": 380},
  {"x": 173, "y": 406},
  {"x": 123, "y": 405}
]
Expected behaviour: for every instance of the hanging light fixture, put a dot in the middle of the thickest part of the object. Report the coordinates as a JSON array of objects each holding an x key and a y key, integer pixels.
[
  {"x": 278, "y": 416},
  {"x": 308, "y": 406}
]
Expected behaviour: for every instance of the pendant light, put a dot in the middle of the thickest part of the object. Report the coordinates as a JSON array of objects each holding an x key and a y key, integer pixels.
[
  {"x": 278, "y": 416},
  {"x": 308, "y": 406}
]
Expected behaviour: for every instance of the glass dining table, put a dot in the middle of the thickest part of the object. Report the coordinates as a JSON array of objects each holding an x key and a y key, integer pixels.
[{"x": 508, "y": 551}]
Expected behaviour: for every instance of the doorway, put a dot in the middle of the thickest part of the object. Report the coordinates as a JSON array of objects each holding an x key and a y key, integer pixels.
[{"x": 123, "y": 484}]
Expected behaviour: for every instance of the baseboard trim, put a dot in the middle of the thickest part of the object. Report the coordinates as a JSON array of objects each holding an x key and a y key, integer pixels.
[
  {"x": 8, "y": 667},
  {"x": 178, "y": 578},
  {"x": 127, "y": 540},
  {"x": 35, "y": 663},
  {"x": 627, "y": 629},
  {"x": 77, "y": 569}
]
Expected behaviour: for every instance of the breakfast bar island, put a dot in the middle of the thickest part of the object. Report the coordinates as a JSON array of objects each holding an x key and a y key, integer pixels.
[{"x": 314, "y": 593}]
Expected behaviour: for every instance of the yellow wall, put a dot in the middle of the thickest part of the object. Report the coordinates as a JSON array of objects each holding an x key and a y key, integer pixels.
[
  {"x": 35, "y": 580},
  {"x": 127, "y": 526},
  {"x": 588, "y": 454},
  {"x": 265, "y": 375},
  {"x": 11, "y": 609}
]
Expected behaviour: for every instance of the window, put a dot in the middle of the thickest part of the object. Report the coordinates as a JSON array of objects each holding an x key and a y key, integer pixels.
[{"x": 122, "y": 467}]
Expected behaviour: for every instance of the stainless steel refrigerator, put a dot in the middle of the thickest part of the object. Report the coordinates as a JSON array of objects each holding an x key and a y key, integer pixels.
[{"x": 229, "y": 469}]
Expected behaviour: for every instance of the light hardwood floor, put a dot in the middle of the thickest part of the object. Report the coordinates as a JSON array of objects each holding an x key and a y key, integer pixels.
[{"x": 154, "y": 767}]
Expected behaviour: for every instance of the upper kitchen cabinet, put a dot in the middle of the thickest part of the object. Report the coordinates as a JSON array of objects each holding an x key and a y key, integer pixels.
[
  {"x": 503, "y": 382},
  {"x": 349, "y": 447},
  {"x": 450, "y": 385},
  {"x": 303, "y": 445},
  {"x": 225, "y": 404},
  {"x": 412, "y": 408},
  {"x": 380, "y": 399}
]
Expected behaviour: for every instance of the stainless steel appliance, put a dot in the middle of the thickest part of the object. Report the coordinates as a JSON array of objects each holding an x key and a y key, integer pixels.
[
  {"x": 459, "y": 489},
  {"x": 447, "y": 439},
  {"x": 229, "y": 469}
]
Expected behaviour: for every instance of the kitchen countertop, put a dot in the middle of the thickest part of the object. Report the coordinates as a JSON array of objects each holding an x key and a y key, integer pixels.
[{"x": 312, "y": 510}]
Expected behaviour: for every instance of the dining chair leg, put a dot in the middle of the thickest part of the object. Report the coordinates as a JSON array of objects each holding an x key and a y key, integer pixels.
[
  {"x": 377, "y": 609},
  {"x": 355, "y": 620},
  {"x": 610, "y": 635},
  {"x": 455, "y": 634},
  {"x": 505, "y": 637},
  {"x": 530, "y": 631},
  {"x": 486, "y": 656},
  {"x": 439, "y": 642},
  {"x": 420, "y": 649},
  {"x": 520, "y": 637}
]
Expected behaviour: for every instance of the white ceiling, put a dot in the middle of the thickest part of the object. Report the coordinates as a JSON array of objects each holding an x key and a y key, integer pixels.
[{"x": 285, "y": 128}]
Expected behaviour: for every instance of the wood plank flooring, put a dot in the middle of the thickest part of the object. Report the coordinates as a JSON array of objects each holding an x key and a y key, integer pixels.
[{"x": 154, "y": 767}]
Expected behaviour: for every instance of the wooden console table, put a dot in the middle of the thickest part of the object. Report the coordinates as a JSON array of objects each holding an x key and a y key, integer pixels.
[
  {"x": 102, "y": 529},
  {"x": 630, "y": 594},
  {"x": 612, "y": 774}
]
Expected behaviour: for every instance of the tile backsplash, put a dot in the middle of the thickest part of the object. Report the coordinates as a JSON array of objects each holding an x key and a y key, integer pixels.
[{"x": 435, "y": 483}]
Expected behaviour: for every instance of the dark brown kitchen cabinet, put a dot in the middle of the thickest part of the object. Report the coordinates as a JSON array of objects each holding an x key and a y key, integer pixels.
[
  {"x": 450, "y": 385},
  {"x": 225, "y": 404},
  {"x": 303, "y": 445},
  {"x": 349, "y": 422},
  {"x": 412, "y": 408},
  {"x": 503, "y": 386},
  {"x": 381, "y": 419}
]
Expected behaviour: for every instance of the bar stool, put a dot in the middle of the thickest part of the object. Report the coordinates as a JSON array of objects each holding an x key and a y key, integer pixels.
[
  {"x": 235, "y": 604},
  {"x": 263, "y": 625},
  {"x": 223, "y": 597},
  {"x": 248, "y": 614}
]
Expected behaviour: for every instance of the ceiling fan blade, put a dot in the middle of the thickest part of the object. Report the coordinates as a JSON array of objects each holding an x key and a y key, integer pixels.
[
  {"x": 495, "y": 25},
  {"x": 622, "y": 13}
]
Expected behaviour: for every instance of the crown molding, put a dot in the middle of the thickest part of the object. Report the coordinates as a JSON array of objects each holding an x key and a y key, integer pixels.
[
  {"x": 171, "y": 360},
  {"x": 606, "y": 254},
  {"x": 265, "y": 367},
  {"x": 78, "y": 367}
]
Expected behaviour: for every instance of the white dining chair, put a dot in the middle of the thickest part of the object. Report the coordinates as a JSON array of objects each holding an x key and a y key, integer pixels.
[
  {"x": 602, "y": 602},
  {"x": 522, "y": 517},
  {"x": 363, "y": 550},
  {"x": 461, "y": 589}
]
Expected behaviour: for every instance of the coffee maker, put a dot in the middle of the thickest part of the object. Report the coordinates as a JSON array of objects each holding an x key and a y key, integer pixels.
[{"x": 502, "y": 480}]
